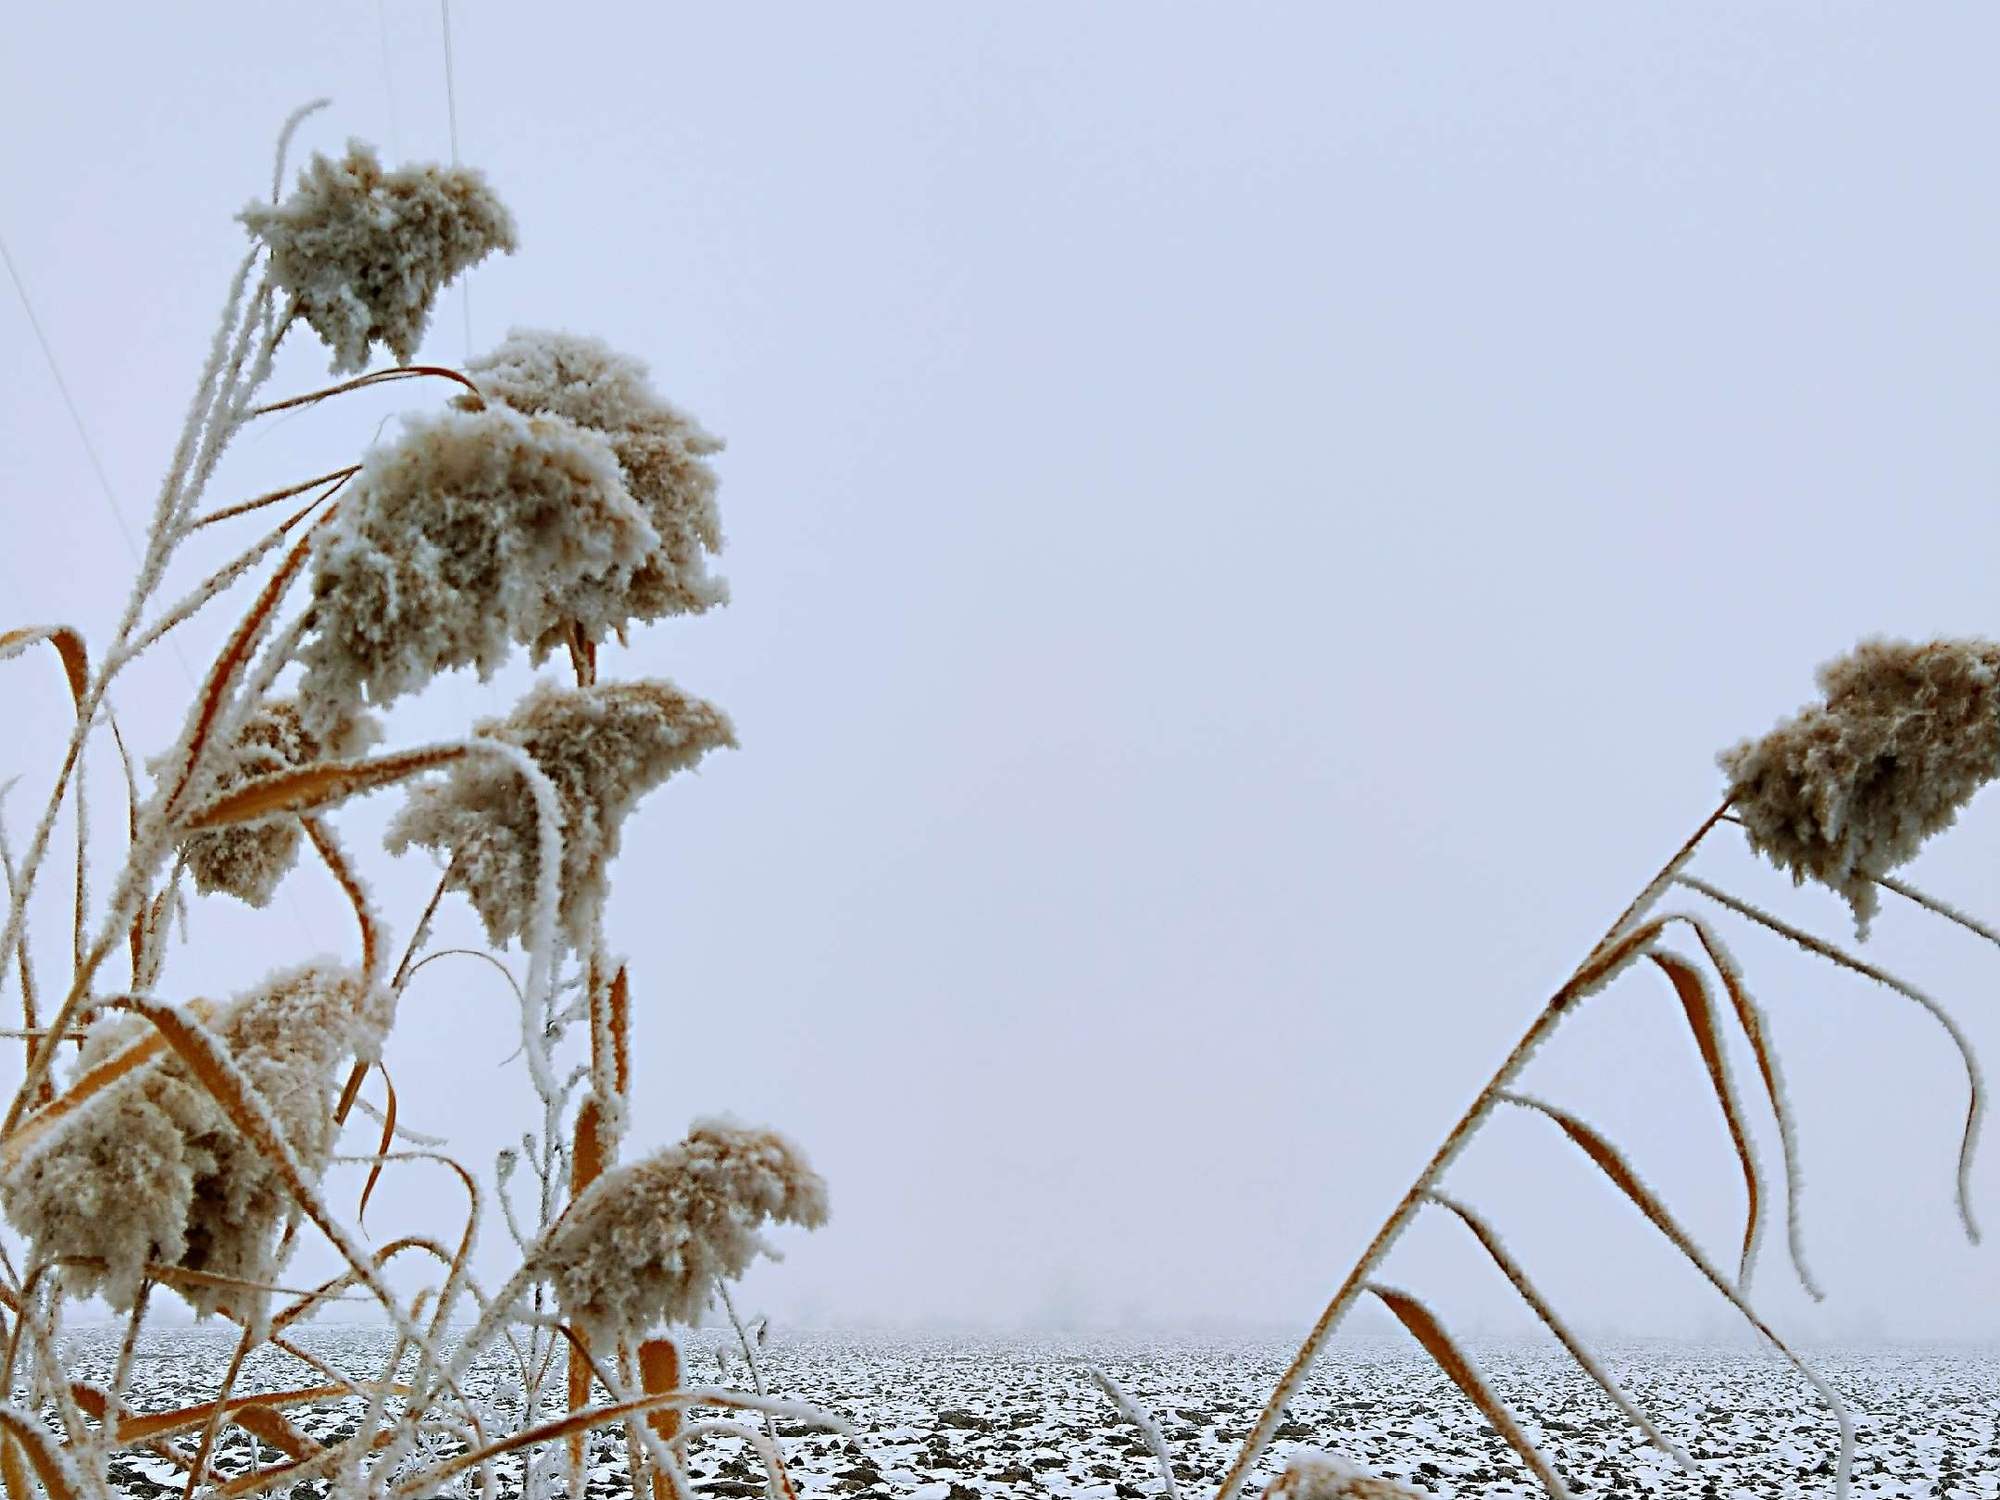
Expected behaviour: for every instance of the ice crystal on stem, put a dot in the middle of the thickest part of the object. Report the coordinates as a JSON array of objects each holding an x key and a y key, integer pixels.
[{"x": 363, "y": 253}]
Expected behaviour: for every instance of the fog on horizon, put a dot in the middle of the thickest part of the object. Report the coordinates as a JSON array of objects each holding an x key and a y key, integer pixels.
[{"x": 1247, "y": 531}]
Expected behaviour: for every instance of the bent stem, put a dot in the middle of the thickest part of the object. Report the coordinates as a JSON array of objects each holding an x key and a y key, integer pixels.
[{"x": 1603, "y": 960}]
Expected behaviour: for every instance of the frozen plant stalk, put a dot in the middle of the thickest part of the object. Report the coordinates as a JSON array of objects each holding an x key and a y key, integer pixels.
[{"x": 188, "y": 1147}]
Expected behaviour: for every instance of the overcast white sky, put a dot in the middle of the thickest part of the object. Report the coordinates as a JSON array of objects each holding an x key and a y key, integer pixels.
[{"x": 1248, "y": 526}]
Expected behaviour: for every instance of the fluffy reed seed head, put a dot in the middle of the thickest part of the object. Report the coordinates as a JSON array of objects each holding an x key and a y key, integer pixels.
[
  {"x": 645, "y": 1243},
  {"x": 362, "y": 253},
  {"x": 248, "y": 860},
  {"x": 662, "y": 451},
  {"x": 604, "y": 747},
  {"x": 1848, "y": 789},
  {"x": 475, "y": 531},
  {"x": 1324, "y": 1476},
  {"x": 152, "y": 1169}
]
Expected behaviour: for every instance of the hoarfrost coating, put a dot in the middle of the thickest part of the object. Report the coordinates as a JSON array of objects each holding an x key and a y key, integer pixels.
[
  {"x": 1326, "y": 1476},
  {"x": 603, "y": 747},
  {"x": 150, "y": 1170},
  {"x": 363, "y": 253},
  {"x": 475, "y": 532},
  {"x": 1846, "y": 790},
  {"x": 646, "y": 1242},
  {"x": 662, "y": 451},
  {"x": 247, "y": 861}
]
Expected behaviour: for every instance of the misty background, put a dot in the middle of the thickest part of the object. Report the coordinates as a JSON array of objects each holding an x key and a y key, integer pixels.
[{"x": 1248, "y": 527}]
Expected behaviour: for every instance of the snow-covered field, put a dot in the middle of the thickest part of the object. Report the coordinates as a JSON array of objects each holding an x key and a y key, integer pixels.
[{"x": 958, "y": 1419}]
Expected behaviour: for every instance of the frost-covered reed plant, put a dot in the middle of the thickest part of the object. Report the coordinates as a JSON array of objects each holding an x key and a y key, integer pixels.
[
  {"x": 1841, "y": 794},
  {"x": 547, "y": 502}
]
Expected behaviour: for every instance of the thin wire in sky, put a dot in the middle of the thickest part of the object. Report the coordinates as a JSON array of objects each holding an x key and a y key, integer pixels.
[
  {"x": 69, "y": 401},
  {"x": 451, "y": 115}
]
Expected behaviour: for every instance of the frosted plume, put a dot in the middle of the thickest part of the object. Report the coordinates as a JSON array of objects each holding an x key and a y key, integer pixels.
[
  {"x": 603, "y": 747},
  {"x": 152, "y": 1170},
  {"x": 662, "y": 451},
  {"x": 248, "y": 860},
  {"x": 474, "y": 532},
  {"x": 1848, "y": 789},
  {"x": 363, "y": 253},
  {"x": 1324, "y": 1476},
  {"x": 646, "y": 1242}
]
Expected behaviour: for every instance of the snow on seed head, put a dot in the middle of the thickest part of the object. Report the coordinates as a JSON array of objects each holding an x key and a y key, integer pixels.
[
  {"x": 663, "y": 452},
  {"x": 474, "y": 532},
  {"x": 362, "y": 253},
  {"x": 1848, "y": 789},
  {"x": 603, "y": 747},
  {"x": 645, "y": 1243},
  {"x": 1325, "y": 1476},
  {"x": 248, "y": 860},
  {"x": 152, "y": 1169}
]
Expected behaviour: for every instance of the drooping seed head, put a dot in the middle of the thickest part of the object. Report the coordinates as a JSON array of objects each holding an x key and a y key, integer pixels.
[
  {"x": 474, "y": 532},
  {"x": 248, "y": 860},
  {"x": 362, "y": 253},
  {"x": 153, "y": 1170},
  {"x": 645, "y": 1243},
  {"x": 663, "y": 452},
  {"x": 604, "y": 747},
  {"x": 1848, "y": 789}
]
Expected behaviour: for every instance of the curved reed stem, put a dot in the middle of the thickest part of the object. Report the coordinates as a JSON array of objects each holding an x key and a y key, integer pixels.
[{"x": 1615, "y": 949}]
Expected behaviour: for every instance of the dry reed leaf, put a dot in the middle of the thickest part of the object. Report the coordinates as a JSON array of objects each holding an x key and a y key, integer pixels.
[
  {"x": 300, "y": 1469},
  {"x": 426, "y": 1481},
  {"x": 621, "y": 1031},
  {"x": 11, "y": 1473},
  {"x": 80, "y": 1093},
  {"x": 271, "y": 1427},
  {"x": 1699, "y": 1007},
  {"x": 311, "y": 788},
  {"x": 327, "y": 1290},
  {"x": 1426, "y": 1329},
  {"x": 1614, "y": 1166},
  {"x": 69, "y": 646},
  {"x": 659, "y": 1372},
  {"x": 1752, "y": 1021},
  {"x": 1975, "y": 1108},
  {"x": 382, "y": 1150},
  {"x": 236, "y": 654},
  {"x": 50, "y": 1464},
  {"x": 579, "y": 1395},
  {"x": 588, "y": 1154},
  {"x": 342, "y": 870},
  {"x": 1578, "y": 1351},
  {"x": 375, "y": 377},
  {"x": 272, "y": 497}
]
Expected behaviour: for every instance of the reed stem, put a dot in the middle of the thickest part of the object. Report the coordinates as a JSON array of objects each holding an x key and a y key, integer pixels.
[{"x": 1575, "y": 988}]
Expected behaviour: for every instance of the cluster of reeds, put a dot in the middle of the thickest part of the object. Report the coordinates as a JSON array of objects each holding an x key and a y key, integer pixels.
[
  {"x": 547, "y": 502},
  {"x": 1842, "y": 794}
]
